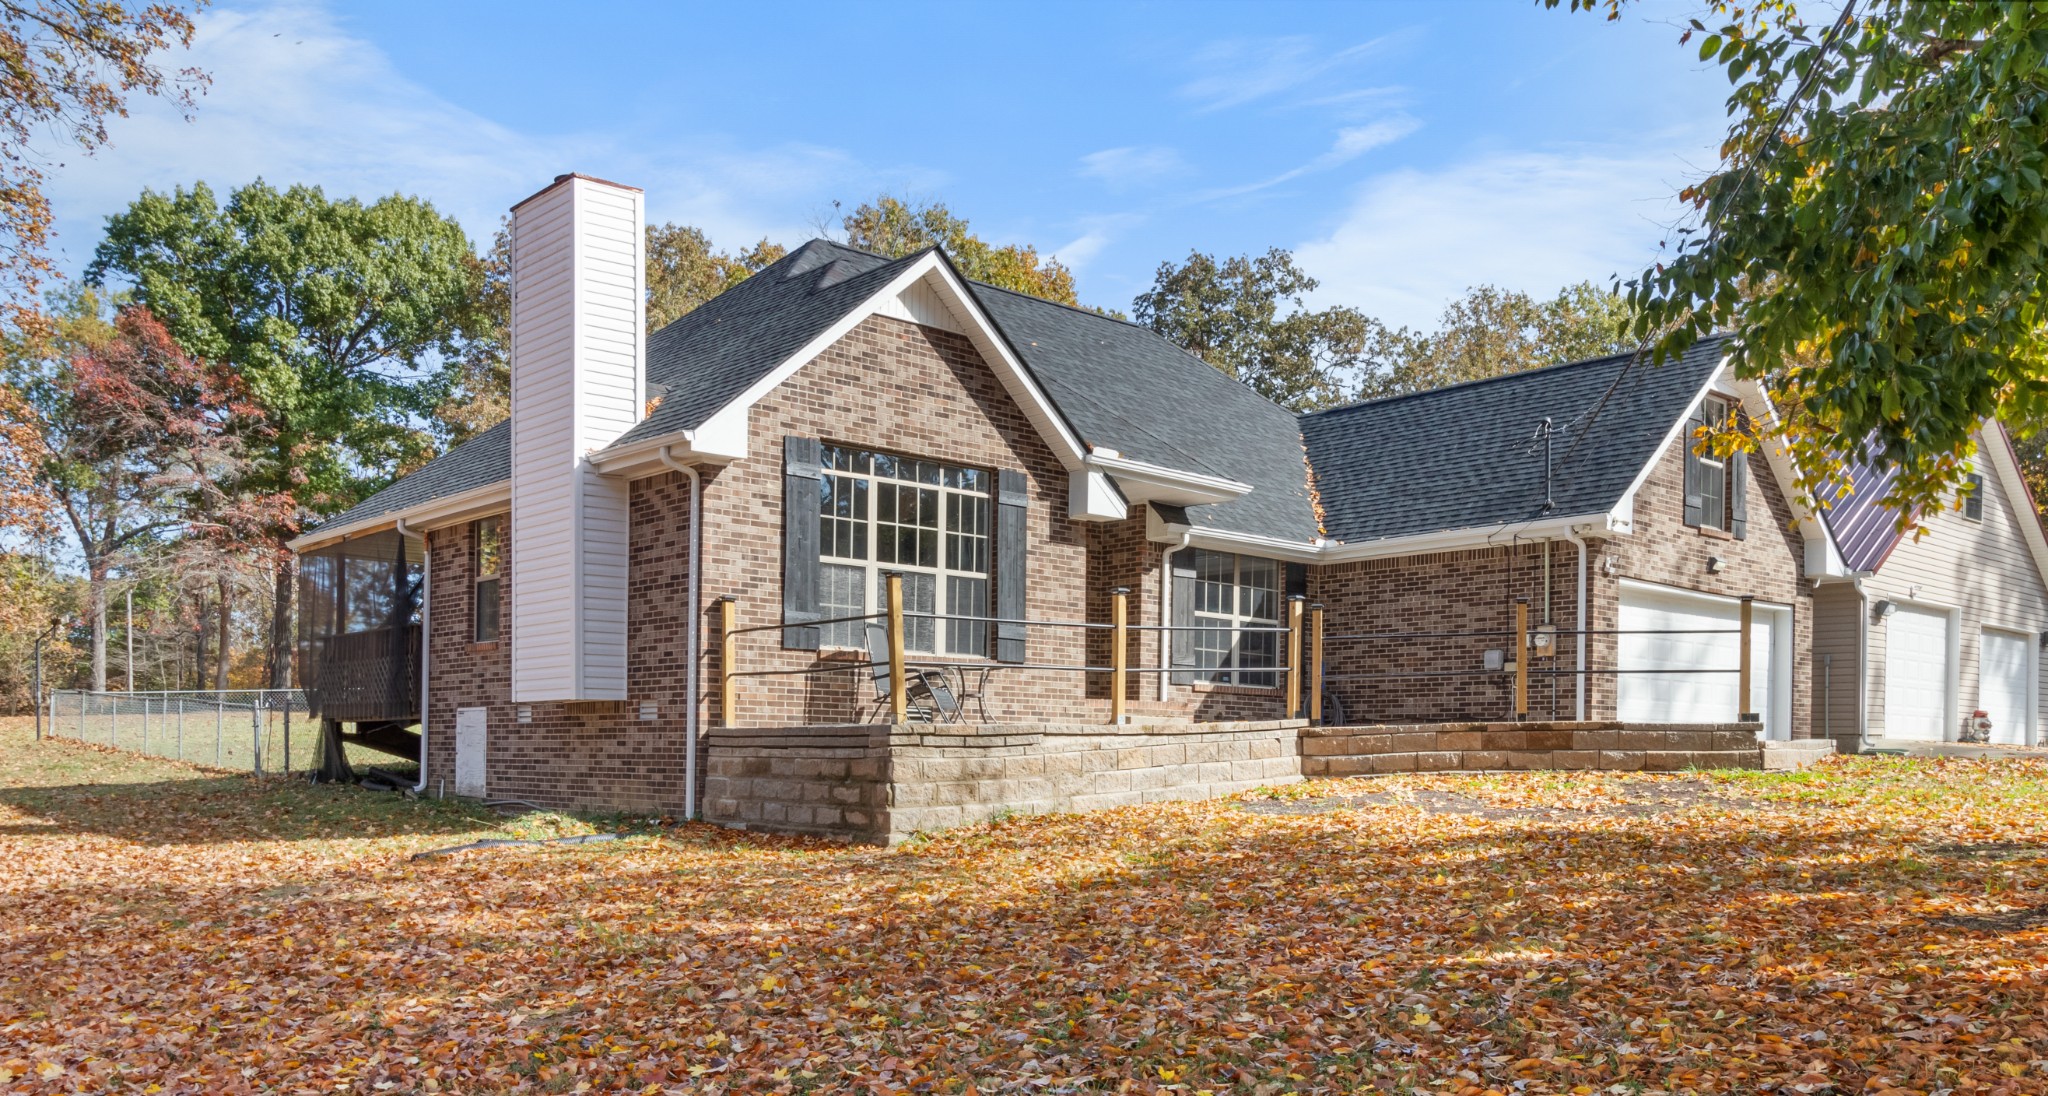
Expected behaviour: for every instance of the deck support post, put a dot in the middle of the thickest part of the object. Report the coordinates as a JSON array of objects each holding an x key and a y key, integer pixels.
[
  {"x": 728, "y": 647},
  {"x": 1315, "y": 664},
  {"x": 899, "y": 704},
  {"x": 1742, "y": 670},
  {"x": 1119, "y": 655},
  {"x": 1521, "y": 658},
  {"x": 1295, "y": 602}
]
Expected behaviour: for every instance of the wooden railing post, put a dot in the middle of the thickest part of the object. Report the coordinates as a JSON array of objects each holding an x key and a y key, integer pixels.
[
  {"x": 1742, "y": 678},
  {"x": 899, "y": 704},
  {"x": 1294, "y": 645},
  {"x": 1521, "y": 658},
  {"x": 1315, "y": 664},
  {"x": 1119, "y": 655},
  {"x": 728, "y": 649}
]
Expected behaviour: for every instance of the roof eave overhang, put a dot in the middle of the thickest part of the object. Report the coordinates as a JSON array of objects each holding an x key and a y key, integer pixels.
[
  {"x": 432, "y": 514},
  {"x": 1485, "y": 536},
  {"x": 1142, "y": 482},
  {"x": 644, "y": 457}
]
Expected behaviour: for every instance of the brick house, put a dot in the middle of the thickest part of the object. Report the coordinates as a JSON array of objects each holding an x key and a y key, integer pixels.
[{"x": 546, "y": 595}]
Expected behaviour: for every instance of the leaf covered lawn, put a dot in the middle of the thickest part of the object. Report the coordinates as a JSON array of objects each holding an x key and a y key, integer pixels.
[{"x": 1876, "y": 926}]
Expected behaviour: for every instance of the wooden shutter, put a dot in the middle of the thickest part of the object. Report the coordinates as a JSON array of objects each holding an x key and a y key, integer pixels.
[
  {"x": 1738, "y": 495},
  {"x": 1182, "y": 647},
  {"x": 1695, "y": 505},
  {"x": 800, "y": 481},
  {"x": 1012, "y": 563},
  {"x": 1297, "y": 583}
]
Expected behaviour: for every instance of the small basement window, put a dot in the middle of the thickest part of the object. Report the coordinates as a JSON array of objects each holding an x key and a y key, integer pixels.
[{"x": 490, "y": 557}]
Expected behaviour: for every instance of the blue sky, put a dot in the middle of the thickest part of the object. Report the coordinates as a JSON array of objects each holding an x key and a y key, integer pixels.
[{"x": 1404, "y": 151}]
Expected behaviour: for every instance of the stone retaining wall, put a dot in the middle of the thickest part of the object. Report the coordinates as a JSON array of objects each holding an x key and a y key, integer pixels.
[
  {"x": 881, "y": 783},
  {"x": 1470, "y": 747}
]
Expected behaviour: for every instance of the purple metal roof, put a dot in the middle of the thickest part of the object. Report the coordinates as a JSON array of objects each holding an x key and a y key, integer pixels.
[{"x": 1865, "y": 529}]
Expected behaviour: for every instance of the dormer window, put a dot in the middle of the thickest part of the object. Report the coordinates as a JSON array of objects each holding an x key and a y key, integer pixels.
[{"x": 1716, "y": 487}]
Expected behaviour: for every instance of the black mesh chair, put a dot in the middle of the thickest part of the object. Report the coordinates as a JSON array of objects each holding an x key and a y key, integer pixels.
[{"x": 928, "y": 696}]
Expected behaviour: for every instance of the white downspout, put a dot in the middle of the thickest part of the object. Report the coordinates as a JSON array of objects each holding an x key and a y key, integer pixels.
[
  {"x": 693, "y": 590},
  {"x": 1862, "y": 666},
  {"x": 1580, "y": 625},
  {"x": 1166, "y": 614},
  {"x": 426, "y": 640}
]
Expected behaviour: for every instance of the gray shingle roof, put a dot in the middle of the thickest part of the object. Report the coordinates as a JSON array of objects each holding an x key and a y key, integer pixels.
[
  {"x": 1124, "y": 387},
  {"x": 1468, "y": 456},
  {"x": 478, "y": 462}
]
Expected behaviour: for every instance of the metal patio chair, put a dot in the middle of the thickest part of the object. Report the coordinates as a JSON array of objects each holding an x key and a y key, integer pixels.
[{"x": 929, "y": 696}]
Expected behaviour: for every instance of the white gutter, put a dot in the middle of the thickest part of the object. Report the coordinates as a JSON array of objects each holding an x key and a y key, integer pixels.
[
  {"x": 1142, "y": 482},
  {"x": 444, "y": 511},
  {"x": 1166, "y": 615},
  {"x": 1453, "y": 539},
  {"x": 426, "y": 640},
  {"x": 693, "y": 586},
  {"x": 1579, "y": 712},
  {"x": 1862, "y": 666}
]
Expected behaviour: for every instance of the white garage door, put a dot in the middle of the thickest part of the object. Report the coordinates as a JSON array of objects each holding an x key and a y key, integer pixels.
[
  {"x": 1916, "y": 674},
  {"x": 2003, "y": 673},
  {"x": 1684, "y": 634}
]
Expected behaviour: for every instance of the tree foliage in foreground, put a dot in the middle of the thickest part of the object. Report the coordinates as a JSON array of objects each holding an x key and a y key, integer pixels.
[
  {"x": 1876, "y": 233},
  {"x": 1492, "y": 331},
  {"x": 66, "y": 67}
]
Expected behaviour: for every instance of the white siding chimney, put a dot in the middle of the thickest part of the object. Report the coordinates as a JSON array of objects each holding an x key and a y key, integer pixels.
[{"x": 578, "y": 363}]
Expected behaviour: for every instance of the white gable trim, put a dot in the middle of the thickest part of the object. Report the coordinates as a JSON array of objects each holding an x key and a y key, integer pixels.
[
  {"x": 724, "y": 434},
  {"x": 2005, "y": 464}
]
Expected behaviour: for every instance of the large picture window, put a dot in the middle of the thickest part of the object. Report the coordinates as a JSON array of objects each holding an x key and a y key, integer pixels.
[
  {"x": 1234, "y": 592},
  {"x": 879, "y": 513},
  {"x": 490, "y": 556}
]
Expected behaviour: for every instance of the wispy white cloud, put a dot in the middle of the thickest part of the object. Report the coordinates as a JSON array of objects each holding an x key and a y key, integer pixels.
[
  {"x": 1244, "y": 70},
  {"x": 1132, "y": 165},
  {"x": 1351, "y": 143},
  {"x": 1097, "y": 233},
  {"x": 296, "y": 98},
  {"x": 1414, "y": 240}
]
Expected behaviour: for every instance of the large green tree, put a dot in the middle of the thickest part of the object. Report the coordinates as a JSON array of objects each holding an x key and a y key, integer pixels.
[
  {"x": 1248, "y": 316},
  {"x": 1876, "y": 234},
  {"x": 895, "y": 227},
  {"x": 684, "y": 270},
  {"x": 336, "y": 313},
  {"x": 1490, "y": 331}
]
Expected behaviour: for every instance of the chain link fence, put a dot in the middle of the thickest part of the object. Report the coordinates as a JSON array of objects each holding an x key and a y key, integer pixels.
[{"x": 256, "y": 730}]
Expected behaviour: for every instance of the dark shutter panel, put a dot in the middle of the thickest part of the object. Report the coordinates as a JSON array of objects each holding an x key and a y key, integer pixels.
[
  {"x": 1297, "y": 580},
  {"x": 800, "y": 480},
  {"x": 1012, "y": 560},
  {"x": 1694, "y": 504},
  {"x": 1738, "y": 495},
  {"x": 1182, "y": 648}
]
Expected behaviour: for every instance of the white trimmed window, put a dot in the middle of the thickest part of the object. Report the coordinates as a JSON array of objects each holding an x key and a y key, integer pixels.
[
  {"x": 879, "y": 513},
  {"x": 1710, "y": 480},
  {"x": 490, "y": 555},
  {"x": 1234, "y": 592}
]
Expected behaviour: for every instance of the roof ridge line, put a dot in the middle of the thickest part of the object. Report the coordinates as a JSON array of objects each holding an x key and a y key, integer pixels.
[{"x": 1553, "y": 367}]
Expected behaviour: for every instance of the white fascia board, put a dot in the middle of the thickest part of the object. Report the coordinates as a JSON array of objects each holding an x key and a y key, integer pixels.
[
  {"x": 1997, "y": 449},
  {"x": 643, "y": 458},
  {"x": 1093, "y": 496},
  {"x": 724, "y": 434},
  {"x": 1142, "y": 482},
  {"x": 434, "y": 513},
  {"x": 1452, "y": 540}
]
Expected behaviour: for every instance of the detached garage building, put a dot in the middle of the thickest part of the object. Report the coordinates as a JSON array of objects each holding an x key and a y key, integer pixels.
[{"x": 1935, "y": 635}]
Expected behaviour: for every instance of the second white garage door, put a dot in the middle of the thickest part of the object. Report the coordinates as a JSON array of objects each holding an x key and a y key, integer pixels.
[
  {"x": 1684, "y": 646},
  {"x": 2004, "y": 671},
  {"x": 1916, "y": 674}
]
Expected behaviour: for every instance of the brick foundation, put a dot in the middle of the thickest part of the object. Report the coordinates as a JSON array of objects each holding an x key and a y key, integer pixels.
[{"x": 884, "y": 783}]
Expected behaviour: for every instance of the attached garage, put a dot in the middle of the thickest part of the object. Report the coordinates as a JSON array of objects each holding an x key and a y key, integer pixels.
[
  {"x": 2005, "y": 676},
  {"x": 1679, "y": 665},
  {"x": 1918, "y": 666}
]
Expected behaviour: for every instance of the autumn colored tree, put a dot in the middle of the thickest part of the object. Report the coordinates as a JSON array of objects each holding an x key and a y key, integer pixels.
[
  {"x": 684, "y": 270},
  {"x": 337, "y": 315},
  {"x": 66, "y": 67},
  {"x": 1490, "y": 331},
  {"x": 1248, "y": 316},
  {"x": 132, "y": 436},
  {"x": 895, "y": 227},
  {"x": 1873, "y": 232},
  {"x": 36, "y": 601}
]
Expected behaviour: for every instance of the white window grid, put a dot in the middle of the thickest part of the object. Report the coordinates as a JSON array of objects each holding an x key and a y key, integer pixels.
[
  {"x": 1713, "y": 485},
  {"x": 1233, "y": 593},
  {"x": 928, "y": 521}
]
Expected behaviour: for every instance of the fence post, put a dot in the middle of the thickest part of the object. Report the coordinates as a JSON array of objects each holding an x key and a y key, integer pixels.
[
  {"x": 181, "y": 728},
  {"x": 220, "y": 710},
  {"x": 1294, "y": 607},
  {"x": 287, "y": 734},
  {"x": 145, "y": 724},
  {"x": 255, "y": 739},
  {"x": 899, "y": 705},
  {"x": 1742, "y": 701},
  {"x": 38, "y": 698},
  {"x": 1119, "y": 660},
  {"x": 1315, "y": 660},
  {"x": 1521, "y": 658},
  {"x": 728, "y": 649}
]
